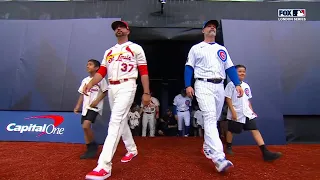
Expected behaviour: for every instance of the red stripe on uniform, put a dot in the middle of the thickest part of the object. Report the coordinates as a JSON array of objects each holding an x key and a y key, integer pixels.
[
  {"x": 143, "y": 70},
  {"x": 103, "y": 71}
]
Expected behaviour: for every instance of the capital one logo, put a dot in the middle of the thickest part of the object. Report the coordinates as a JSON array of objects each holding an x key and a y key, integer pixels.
[{"x": 42, "y": 129}]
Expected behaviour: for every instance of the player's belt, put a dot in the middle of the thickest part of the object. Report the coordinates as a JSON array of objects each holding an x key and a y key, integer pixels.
[
  {"x": 214, "y": 81},
  {"x": 148, "y": 112},
  {"x": 119, "y": 81},
  {"x": 184, "y": 111}
]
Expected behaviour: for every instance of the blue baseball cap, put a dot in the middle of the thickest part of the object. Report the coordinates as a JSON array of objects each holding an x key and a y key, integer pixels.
[{"x": 214, "y": 22}]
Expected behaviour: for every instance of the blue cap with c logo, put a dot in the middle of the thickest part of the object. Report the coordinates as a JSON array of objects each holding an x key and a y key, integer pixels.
[{"x": 214, "y": 22}]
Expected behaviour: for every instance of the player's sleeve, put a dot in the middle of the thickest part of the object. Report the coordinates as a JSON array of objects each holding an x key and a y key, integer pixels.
[
  {"x": 191, "y": 60},
  {"x": 228, "y": 62},
  {"x": 230, "y": 68},
  {"x": 250, "y": 94},
  {"x": 103, "y": 85},
  {"x": 229, "y": 90},
  {"x": 189, "y": 67},
  {"x": 103, "y": 67},
  {"x": 175, "y": 101},
  {"x": 157, "y": 103},
  {"x": 141, "y": 60},
  {"x": 81, "y": 86}
]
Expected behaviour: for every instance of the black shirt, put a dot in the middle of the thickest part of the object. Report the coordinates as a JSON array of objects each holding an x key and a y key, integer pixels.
[
  {"x": 165, "y": 123},
  {"x": 170, "y": 120}
]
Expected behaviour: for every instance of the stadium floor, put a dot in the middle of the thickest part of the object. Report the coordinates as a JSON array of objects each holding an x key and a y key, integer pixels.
[{"x": 158, "y": 159}]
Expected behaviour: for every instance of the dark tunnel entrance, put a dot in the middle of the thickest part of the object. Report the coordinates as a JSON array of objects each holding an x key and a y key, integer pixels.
[
  {"x": 166, "y": 60},
  {"x": 166, "y": 50}
]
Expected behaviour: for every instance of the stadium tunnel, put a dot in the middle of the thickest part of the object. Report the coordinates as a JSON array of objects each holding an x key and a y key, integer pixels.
[{"x": 166, "y": 50}]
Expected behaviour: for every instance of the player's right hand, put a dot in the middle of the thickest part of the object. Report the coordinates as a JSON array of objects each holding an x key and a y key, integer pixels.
[{"x": 190, "y": 92}]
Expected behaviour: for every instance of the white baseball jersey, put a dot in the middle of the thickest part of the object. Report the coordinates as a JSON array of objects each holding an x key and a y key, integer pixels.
[
  {"x": 241, "y": 105},
  {"x": 209, "y": 60},
  {"x": 122, "y": 61},
  {"x": 93, "y": 93},
  {"x": 134, "y": 119},
  {"x": 182, "y": 103},
  {"x": 151, "y": 108},
  {"x": 198, "y": 115}
]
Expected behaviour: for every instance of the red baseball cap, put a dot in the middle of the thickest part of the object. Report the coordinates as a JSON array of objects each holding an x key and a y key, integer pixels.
[{"x": 116, "y": 24}]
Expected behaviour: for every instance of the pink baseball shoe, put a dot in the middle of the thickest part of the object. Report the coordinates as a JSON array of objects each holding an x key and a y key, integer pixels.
[
  {"x": 128, "y": 157},
  {"x": 98, "y": 174}
]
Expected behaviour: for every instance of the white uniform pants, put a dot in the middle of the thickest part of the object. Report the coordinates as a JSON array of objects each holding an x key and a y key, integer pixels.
[
  {"x": 210, "y": 98},
  {"x": 148, "y": 119},
  {"x": 121, "y": 97},
  {"x": 183, "y": 117}
]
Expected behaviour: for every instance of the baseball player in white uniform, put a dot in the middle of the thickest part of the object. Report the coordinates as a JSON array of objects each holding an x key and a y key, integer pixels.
[
  {"x": 199, "y": 121},
  {"x": 121, "y": 64},
  {"x": 150, "y": 114},
  {"x": 182, "y": 105},
  {"x": 92, "y": 105},
  {"x": 209, "y": 62},
  {"x": 242, "y": 117}
]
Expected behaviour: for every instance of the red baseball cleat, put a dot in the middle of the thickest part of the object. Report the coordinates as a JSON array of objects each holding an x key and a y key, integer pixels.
[
  {"x": 98, "y": 175},
  {"x": 128, "y": 157}
]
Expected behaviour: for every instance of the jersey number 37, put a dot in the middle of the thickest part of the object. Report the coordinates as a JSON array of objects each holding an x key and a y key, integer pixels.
[{"x": 126, "y": 67}]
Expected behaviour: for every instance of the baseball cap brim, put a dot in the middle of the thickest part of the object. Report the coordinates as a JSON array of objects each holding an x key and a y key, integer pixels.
[
  {"x": 116, "y": 24},
  {"x": 214, "y": 22}
]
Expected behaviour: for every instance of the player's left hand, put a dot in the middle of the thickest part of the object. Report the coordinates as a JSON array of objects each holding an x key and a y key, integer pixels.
[
  {"x": 146, "y": 99},
  {"x": 240, "y": 91}
]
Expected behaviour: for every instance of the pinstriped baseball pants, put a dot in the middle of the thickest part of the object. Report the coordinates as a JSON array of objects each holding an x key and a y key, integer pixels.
[{"x": 210, "y": 98}]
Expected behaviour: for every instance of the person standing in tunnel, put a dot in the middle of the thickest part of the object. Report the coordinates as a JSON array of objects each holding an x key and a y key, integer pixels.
[
  {"x": 182, "y": 105},
  {"x": 150, "y": 113}
]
